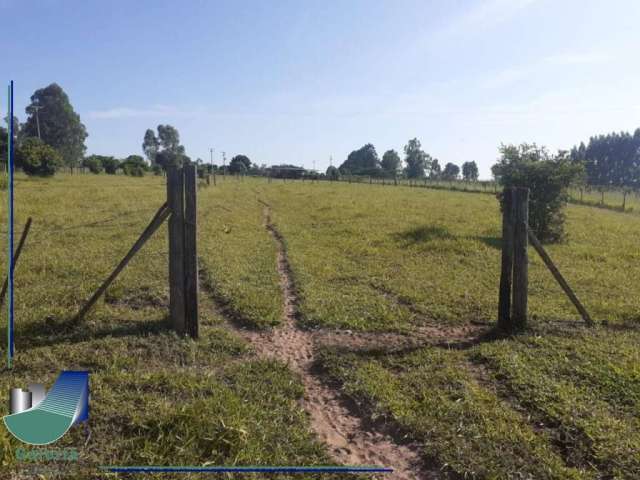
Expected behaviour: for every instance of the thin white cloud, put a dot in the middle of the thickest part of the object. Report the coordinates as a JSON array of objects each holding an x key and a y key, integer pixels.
[
  {"x": 155, "y": 111},
  {"x": 487, "y": 14},
  {"x": 513, "y": 74}
]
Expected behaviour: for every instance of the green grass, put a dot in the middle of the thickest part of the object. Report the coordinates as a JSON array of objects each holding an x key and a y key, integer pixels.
[
  {"x": 434, "y": 398},
  {"x": 558, "y": 401},
  {"x": 155, "y": 398},
  {"x": 389, "y": 258},
  {"x": 238, "y": 254}
]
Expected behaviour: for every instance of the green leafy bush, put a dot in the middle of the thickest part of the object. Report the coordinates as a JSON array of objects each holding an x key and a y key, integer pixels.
[
  {"x": 110, "y": 165},
  {"x": 93, "y": 163},
  {"x": 134, "y": 165},
  {"x": 548, "y": 179},
  {"x": 37, "y": 158}
]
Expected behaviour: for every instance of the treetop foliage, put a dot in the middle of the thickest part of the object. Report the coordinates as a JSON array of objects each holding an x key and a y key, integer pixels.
[
  {"x": 363, "y": 161},
  {"x": 59, "y": 125},
  {"x": 612, "y": 159},
  {"x": 416, "y": 159}
]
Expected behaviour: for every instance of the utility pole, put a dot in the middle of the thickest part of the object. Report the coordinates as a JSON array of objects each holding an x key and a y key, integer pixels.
[
  {"x": 211, "y": 152},
  {"x": 36, "y": 108},
  {"x": 224, "y": 163},
  {"x": 331, "y": 160}
]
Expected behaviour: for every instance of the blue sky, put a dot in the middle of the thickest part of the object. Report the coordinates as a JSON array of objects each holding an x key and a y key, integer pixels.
[{"x": 300, "y": 81}]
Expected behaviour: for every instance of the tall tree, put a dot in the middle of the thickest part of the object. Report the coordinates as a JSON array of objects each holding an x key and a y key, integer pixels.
[
  {"x": 391, "y": 162},
  {"x": 150, "y": 146},
  {"x": 451, "y": 171},
  {"x": 59, "y": 124},
  {"x": 416, "y": 159},
  {"x": 239, "y": 164},
  {"x": 436, "y": 169},
  {"x": 363, "y": 161},
  {"x": 470, "y": 171},
  {"x": 169, "y": 138},
  {"x": 167, "y": 145}
]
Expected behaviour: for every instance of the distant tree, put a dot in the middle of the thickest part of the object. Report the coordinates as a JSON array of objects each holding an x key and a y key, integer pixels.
[
  {"x": 391, "y": 162},
  {"x": 93, "y": 163},
  {"x": 239, "y": 164},
  {"x": 436, "y": 169},
  {"x": 416, "y": 159},
  {"x": 363, "y": 161},
  {"x": 37, "y": 158},
  {"x": 4, "y": 146},
  {"x": 470, "y": 171},
  {"x": 134, "y": 165},
  {"x": 333, "y": 173},
  {"x": 169, "y": 137},
  {"x": 110, "y": 165},
  {"x": 18, "y": 131},
  {"x": 150, "y": 146},
  {"x": 60, "y": 125},
  {"x": 451, "y": 171},
  {"x": 612, "y": 159},
  {"x": 168, "y": 151},
  {"x": 548, "y": 179}
]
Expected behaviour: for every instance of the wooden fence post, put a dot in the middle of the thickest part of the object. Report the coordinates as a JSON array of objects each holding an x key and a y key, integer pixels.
[
  {"x": 520, "y": 257},
  {"x": 190, "y": 252},
  {"x": 175, "y": 201},
  {"x": 504, "y": 301}
]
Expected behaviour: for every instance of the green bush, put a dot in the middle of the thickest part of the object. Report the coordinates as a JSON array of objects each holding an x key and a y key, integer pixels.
[
  {"x": 134, "y": 165},
  {"x": 110, "y": 165},
  {"x": 93, "y": 163},
  {"x": 548, "y": 179},
  {"x": 37, "y": 158},
  {"x": 3, "y": 182},
  {"x": 156, "y": 169}
]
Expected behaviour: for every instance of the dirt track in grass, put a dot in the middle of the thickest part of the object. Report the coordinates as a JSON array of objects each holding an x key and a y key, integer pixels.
[{"x": 351, "y": 437}]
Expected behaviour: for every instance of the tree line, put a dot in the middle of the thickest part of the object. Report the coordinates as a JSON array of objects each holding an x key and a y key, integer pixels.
[
  {"x": 415, "y": 164},
  {"x": 612, "y": 159}
]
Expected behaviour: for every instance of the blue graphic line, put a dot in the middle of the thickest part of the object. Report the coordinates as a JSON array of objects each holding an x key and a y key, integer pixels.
[
  {"x": 251, "y": 469},
  {"x": 10, "y": 262}
]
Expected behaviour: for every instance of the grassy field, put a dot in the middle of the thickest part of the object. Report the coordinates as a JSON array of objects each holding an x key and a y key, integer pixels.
[
  {"x": 389, "y": 258},
  {"x": 558, "y": 401},
  {"x": 204, "y": 402}
]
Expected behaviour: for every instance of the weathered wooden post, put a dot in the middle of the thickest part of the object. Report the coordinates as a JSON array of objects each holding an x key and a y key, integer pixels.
[
  {"x": 520, "y": 257},
  {"x": 175, "y": 201},
  {"x": 504, "y": 301},
  {"x": 190, "y": 251}
]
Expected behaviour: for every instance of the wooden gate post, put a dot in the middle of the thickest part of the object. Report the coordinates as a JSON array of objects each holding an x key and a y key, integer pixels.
[
  {"x": 520, "y": 257},
  {"x": 504, "y": 301},
  {"x": 175, "y": 201},
  {"x": 190, "y": 251}
]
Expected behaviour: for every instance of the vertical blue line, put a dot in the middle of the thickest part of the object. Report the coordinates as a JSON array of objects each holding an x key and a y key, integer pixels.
[{"x": 10, "y": 283}]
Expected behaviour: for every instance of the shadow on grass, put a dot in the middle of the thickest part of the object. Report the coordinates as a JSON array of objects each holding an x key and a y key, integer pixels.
[
  {"x": 422, "y": 234},
  {"x": 49, "y": 331},
  {"x": 489, "y": 241}
]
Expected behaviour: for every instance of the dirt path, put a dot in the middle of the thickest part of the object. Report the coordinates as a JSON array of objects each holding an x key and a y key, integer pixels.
[{"x": 349, "y": 440}]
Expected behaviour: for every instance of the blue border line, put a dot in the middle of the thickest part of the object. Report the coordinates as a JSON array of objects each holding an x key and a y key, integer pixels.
[
  {"x": 250, "y": 469},
  {"x": 10, "y": 351}
]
